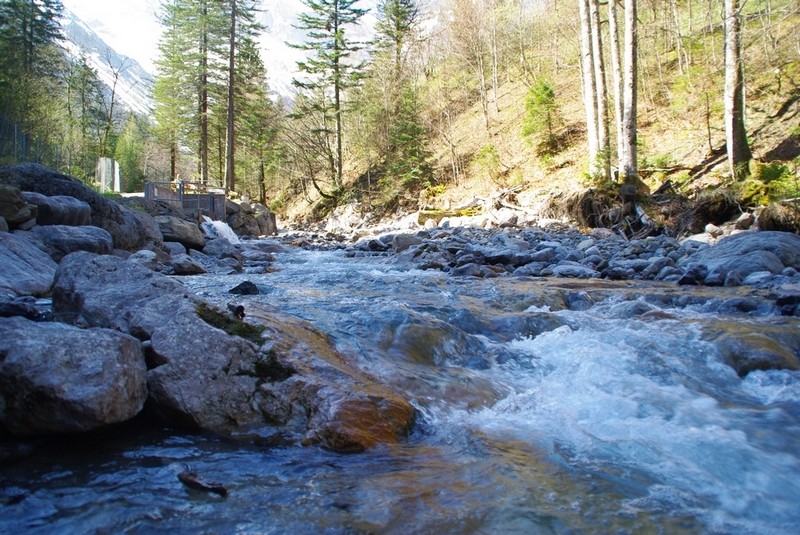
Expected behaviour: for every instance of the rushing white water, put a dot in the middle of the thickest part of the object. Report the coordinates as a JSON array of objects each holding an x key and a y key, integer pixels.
[
  {"x": 621, "y": 397},
  {"x": 546, "y": 406},
  {"x": 219, "y": 229}
]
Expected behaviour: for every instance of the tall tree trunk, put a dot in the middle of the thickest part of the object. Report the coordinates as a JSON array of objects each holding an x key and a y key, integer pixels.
[
  {"x": 230, "y": 178},
  {"x": 337, "y": 100},
  {"x": 616, "y": 68},
  {"x": 589, "y": 91},
  {"x": 630, "y": 169},
  {"x": 601, "y": 92},
  {"x": 739, "y": 154},
  {"x": 204, "y": 96}
]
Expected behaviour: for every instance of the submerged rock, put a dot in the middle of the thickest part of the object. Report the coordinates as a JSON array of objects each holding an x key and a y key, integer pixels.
[{"x": 757, "y": 347}]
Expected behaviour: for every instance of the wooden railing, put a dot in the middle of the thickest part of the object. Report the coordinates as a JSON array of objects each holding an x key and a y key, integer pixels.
[{"x": 194, "y": 197}]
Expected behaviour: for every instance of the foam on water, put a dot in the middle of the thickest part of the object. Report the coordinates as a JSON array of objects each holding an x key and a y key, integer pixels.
[
  {"x": 220, "y": 229},
  {"x": 594, "y": 399}
]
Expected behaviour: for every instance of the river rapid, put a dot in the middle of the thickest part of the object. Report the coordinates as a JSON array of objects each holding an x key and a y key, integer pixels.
[{"x": 545, "y": 406}]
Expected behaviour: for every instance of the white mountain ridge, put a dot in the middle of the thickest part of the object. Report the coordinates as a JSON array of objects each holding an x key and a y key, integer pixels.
[{"x": 134, "y": 83}]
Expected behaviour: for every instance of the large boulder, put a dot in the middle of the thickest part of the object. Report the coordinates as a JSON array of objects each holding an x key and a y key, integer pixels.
[
  {"x": 55, "y": 378},
  {"x": 124, "y": 226},
  {"x": 105, "y": 290},
  {"x": 179, "y": 230},
  {"x": 25, "y": 267},
  {"x": 243, "y": 223},
  {"x": 60, "y": 240},
  {"x": 739, "y": 255},
  {"x": 59, "y": 209},
  {"x": 209, "y": 370}
]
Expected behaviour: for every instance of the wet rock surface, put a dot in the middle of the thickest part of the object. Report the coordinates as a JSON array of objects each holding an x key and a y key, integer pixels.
[
  {"x": 275, "y": 375},
  {"x": 55, "y": 378}
]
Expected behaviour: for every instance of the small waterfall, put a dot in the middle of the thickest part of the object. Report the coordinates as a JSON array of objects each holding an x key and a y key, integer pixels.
[{"x": 219, "y": 229}]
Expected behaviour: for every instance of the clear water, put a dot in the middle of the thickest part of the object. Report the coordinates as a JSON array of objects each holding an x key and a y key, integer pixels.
[{"x": 544, "y": 407}]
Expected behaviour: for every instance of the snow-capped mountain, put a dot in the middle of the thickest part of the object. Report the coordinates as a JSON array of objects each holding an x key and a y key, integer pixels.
[{"x": 133, "y": 84}]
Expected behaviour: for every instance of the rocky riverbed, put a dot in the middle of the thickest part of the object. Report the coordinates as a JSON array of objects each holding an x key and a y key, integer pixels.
[{"x": 97, "y": 325}]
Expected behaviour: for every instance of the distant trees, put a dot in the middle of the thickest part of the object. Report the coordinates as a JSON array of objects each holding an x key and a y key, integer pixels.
[
  {"x": 590, "y": 90},
  {"x": 329, "y": 71},
  {"x": 198, "y": 98},
  {"x": 399, "y": 136},
  {"x": 541, "y": 114},
  {"x": 30, "y": 66}
]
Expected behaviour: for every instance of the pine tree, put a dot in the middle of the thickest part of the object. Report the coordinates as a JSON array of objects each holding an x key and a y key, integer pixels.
[
  {"x": 131, "y": 152},
  {"x": 30, "y": 65},
  {"x": 257, "y": 123},
  {"x": 330, "y": 70}
]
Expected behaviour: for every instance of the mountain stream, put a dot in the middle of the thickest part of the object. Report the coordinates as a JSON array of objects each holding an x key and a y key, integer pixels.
[{"x": 545, "y": 406}]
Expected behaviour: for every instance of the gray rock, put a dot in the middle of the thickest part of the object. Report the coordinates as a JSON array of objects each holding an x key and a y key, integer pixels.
[
  {"x": 15, "y": 210},
  {"x": 401, "y": 242},
  {"x": 574, "y": 270},
  {"x": 104, "y": 289},
  {"x": 11, "y": 306},
  {"x": 179, "y": 230},
  {"x": 543, "y": 255},
  {"x": 473, "y": 270},
  {"x": 25, "y": 268},
  {"x": 745, "y": 221},
  {"x": 217, "y": 373},
  {"x": 154, "y": 240},
  {"x": 55, "y": 378},
  {"x": 183, "y": 264},
  {"x": 222, "y": 248},
  {"x": 60, "y": 240},
  {"x": 267, "y": 223},
  {"x": 243, "y": 223},
  {"x": 146, "y": 258},
  {"x": 244, "y": 288},
  {"x": 174, "y": 248},
  {"x": 3, "y": 224},
  {"x": 748, "y": 252},
  {"x": 757, "y": 278},
  {"x": 123, "y": 224},
  {"x": 59, "y": 209}
]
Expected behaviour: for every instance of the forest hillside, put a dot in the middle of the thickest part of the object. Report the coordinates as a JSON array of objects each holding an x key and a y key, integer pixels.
[
  {"x": 546, "y": 105},
  {"x": 501, "y": 138}
]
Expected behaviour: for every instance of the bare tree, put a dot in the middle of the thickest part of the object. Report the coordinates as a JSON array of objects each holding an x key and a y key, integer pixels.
[
  {"x": 589, "y": 88},
  {"x": 630, "y": 169},
  {"x": 600, "y": 90},
  {"x": 616, "y": 69},
  {"x": 739, "y": 154}
]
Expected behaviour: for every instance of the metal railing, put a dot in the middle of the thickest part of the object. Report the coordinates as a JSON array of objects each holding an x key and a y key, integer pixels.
[{"x": 195, "y": 197}]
